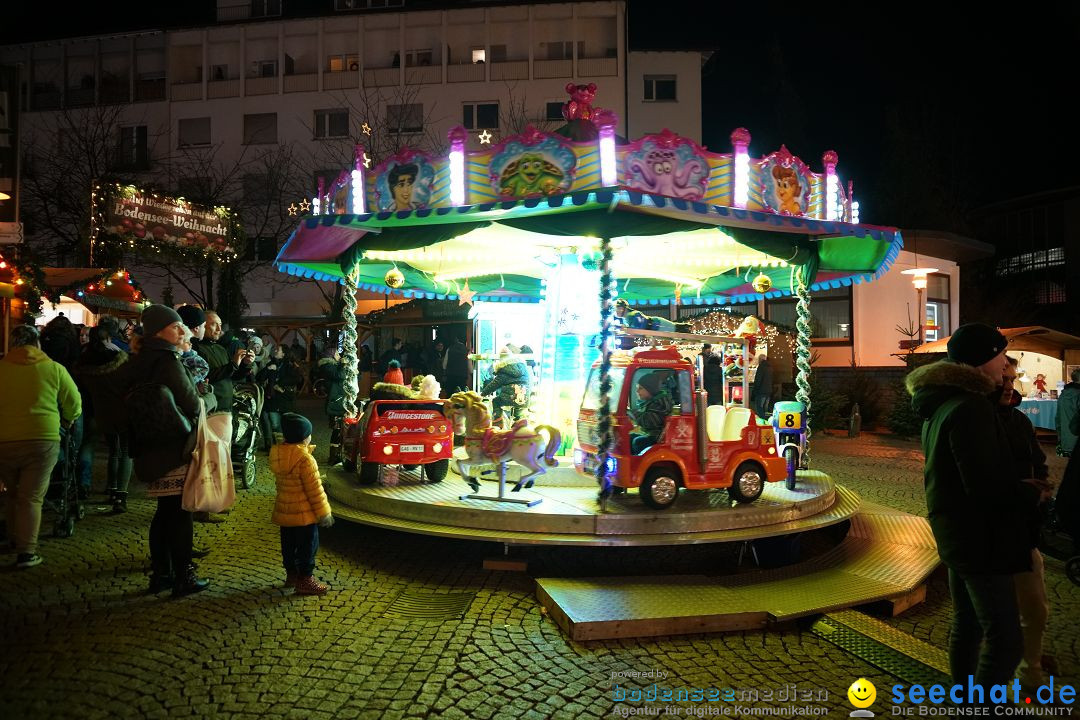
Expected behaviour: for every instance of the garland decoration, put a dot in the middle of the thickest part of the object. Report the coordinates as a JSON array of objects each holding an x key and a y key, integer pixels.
[
  {"x": 802, "y": 353},
  {"x": 351, "y": 379},
  {"x": 607, "y": 311}
]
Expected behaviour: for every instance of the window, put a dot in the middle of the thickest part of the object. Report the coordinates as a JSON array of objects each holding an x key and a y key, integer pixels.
[
  {"x": 193, "y": 132},
  {"x": 405, "y": 118},
  {"x": 256, "y": 187},
  {"x": 417, "y": 58},
  {"x": 479, "y": 55},
  {"x": 265, "y": 8},
  {"x": 660, "y": 88},
  {"x": 1027, "y": 262},
  {"x": 331, "y": 123},
  {"x": 133, "y": 153},
  {"x": 260, "y": 128},
  {"x": 480, "y": 116},
  {"x": 553, "y": 111},
  {"x": 936, "y": 324},
  {"x": 498, "y": 53},
  {"x": 343, "y": 63},
  {"x": 561, "y": 50},
  {"x": 1048, "y": 292},
  {"x": 366, "y": 4},
  {"x": 219, "y": 72},
  {"x": 830, "y": 312},
  {"x": 263, "y": 68}
]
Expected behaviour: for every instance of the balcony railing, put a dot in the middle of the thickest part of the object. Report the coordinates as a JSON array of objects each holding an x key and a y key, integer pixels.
[
  {"x": 114, "y": 95},
  {"x": 45, "y": 100},
  {"x": 553, "y": 69},
  {"x": 223, "y": 88},
  {"x": 473, "y": 72},
  {"x": 381, "y": 77},
  {"x": 261, "y": 86},
  {"x": 341, "y": 80},
  {"x": 424, "y": 75},
  {"x": 597, "y": 67},
  {"x": 149, "y": 90},
  {"x": 511, "y": 70},
  {"x": 308, "y": 82},
  {"x": 79, "y": 97},
  {"x": 186, "y": 91}
]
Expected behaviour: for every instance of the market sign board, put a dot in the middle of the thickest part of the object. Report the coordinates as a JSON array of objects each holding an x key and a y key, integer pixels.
[{"x": 161, "y": 220}]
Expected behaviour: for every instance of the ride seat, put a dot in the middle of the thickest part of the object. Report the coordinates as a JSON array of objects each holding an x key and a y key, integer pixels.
[
  {"x": 714, "y": 422},
  {"x": 737, "y": 419}
]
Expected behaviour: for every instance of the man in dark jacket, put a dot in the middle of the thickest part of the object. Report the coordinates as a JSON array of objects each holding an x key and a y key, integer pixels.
[
  {"x": 1068, "y": 415},
  {"x": 394, "y": 353},
  {"x": 223, "y": 368},
  {"x": 1029, "y": 461},
  {"x": 456, "y": 365},
  {"x": 977, "y": 508},
  {"x": 761, "y": 392}
]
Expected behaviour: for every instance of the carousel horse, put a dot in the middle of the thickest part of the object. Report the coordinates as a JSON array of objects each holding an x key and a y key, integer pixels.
[{"x": 486, "y": 444}]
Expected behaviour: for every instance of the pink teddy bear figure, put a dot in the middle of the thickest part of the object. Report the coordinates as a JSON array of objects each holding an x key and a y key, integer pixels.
[{"x": 579, "y": 106}]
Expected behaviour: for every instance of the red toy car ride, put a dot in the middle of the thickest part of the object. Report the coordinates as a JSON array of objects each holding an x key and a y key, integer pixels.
[{"x": 399, "y": 432}]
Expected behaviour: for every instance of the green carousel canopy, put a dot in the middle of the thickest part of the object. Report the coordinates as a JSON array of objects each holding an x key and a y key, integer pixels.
[
  {"x": 505, "y": 248},
  {"x": 683, "y": 222}
]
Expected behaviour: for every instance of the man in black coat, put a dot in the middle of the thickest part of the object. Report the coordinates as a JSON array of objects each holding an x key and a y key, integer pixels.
[
  {"x": 761, "y": 391},
  {"x": 978, "y": 510},
  {"x": 457, "y": 367}
]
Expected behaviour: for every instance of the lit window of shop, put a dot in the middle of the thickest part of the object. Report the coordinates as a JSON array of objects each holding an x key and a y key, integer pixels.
[
  {"x": 937, "y": 307},
  {"x": 830, "y": 314}
]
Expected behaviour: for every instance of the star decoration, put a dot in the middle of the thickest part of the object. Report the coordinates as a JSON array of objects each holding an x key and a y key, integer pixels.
[
  {"x": 485, "y": 137},
  {"x": 466, "y": 295},
  {"x": 305, "y": 206},
  {"x": 367, "y": 160},
  {"x": 366, "y": 129},
  {"x": 293, "y": 209}
]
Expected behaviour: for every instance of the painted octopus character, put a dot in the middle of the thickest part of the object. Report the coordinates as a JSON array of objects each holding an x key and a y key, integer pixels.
[
  {"x": 530, "y": 174},
  {"x": 787, "y": 189},
  {"x": 659, "y": 173}
]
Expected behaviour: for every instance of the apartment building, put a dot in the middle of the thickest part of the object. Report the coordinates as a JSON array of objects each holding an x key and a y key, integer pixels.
[{"x": 318, "y": 77}]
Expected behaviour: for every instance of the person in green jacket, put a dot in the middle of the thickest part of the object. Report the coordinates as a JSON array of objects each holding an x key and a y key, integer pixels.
[
  {"x": 37, "y": 396},
  {"x": 1067, "y": 420}
]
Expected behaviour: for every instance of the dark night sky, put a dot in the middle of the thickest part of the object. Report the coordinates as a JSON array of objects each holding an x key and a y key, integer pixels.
[{"x": 973, "y": 105}]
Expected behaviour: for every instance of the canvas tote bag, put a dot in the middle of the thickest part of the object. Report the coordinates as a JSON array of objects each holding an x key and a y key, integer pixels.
[{"x": 209, "y": 484}]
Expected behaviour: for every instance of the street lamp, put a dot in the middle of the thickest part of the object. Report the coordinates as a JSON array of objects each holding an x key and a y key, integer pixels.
[{"x": 918, "y": 279}]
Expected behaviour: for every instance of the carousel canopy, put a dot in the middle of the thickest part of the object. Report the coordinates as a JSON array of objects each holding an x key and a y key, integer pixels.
[{"x": 504, "y": 248}]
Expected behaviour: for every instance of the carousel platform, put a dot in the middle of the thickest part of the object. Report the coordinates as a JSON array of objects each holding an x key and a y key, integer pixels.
[{"x": 568, "y": 513}]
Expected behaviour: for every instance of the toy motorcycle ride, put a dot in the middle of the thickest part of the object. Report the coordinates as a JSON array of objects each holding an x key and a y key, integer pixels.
[{"x": 789, "y": 426}]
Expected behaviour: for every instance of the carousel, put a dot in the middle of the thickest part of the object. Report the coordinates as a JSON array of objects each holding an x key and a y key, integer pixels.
[{"x": 584, "y": 250}]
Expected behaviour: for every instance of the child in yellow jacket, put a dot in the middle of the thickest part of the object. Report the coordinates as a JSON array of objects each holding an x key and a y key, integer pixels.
[{"x": 301, "y": 507}]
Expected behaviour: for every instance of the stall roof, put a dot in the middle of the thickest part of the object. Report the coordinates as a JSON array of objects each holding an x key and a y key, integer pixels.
[
  {"x": 659, "y": 242},
  {"x": 1035, "y": 338}
]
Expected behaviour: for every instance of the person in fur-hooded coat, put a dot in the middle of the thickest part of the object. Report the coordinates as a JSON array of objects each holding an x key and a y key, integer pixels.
[{"x": 510, "y": 384}]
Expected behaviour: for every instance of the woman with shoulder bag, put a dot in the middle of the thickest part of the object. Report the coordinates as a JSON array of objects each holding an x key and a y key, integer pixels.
[{"x": 162, "y": 461}]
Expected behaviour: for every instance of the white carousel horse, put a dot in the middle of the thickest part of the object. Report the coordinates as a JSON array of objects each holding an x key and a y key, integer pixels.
[{"x": 486, "y": 445}]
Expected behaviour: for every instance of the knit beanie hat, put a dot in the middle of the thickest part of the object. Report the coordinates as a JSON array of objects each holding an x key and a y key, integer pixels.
[
  {"x": 651, "y": 382},
  {"x": 975, "y": 344},
  {"x": 295, "y": 427},
  {"x": 158, "y": 317},
  {"x": 193, "y": 317}
]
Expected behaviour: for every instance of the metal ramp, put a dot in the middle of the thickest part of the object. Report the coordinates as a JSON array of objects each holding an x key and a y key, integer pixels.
[{"x": 887, "y": 554}]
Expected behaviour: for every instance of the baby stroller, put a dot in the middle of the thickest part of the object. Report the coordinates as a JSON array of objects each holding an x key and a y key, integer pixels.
[
  {"x": 1061, "y": 528},
  {"x": 246, "y": 410},
  {"x": 62, "y": 497}
]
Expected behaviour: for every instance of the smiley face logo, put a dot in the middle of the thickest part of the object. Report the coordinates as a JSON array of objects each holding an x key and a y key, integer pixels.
[{"x": 862, "y": 693}]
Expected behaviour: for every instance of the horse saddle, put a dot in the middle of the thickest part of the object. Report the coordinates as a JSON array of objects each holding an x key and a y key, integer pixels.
[{"x": 496, "y": 443}]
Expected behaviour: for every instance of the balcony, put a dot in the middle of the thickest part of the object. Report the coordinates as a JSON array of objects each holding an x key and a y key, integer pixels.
[
  {"x": 308, "y": 82},
  {"x": 473, "y": 72},
  {"x": 423, "y": 75},
  {"x": 341, "y": 81},
  {"x": 79, "y": 97},
  {"x": 186, "y": 91},
  {"x": 114, "y": 94},
  {"x": 597, "y": 67},
  {"x": 223, "y": 89},
  {"x": 261, "y": 86},
  {"x": 543, "y": 69},
  {"x": 45, "y": 100},
  {"x": 511, "y": 70},
  {"x": 149, "y": 90},
  {"x": 381, "y": 77}
]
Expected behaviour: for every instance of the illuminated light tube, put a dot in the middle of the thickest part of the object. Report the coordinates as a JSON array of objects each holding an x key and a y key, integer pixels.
[
  {"x": 605, "y": 120},
  {"x": 832, "y": 185},
  {"x": 357, "y": 192},
  {"x": 457, "y": 138},
  {"x": 855, "y": 212},
  {"x": 740, "y": 140},
  {"x": 316, "y": 204}
]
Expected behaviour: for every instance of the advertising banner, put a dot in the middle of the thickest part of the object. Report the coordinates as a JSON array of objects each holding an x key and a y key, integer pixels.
[{"x": 166, "y": 221}]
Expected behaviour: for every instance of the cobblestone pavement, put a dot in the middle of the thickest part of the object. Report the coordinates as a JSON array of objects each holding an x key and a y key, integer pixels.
[{"x": 82, "y": 640}]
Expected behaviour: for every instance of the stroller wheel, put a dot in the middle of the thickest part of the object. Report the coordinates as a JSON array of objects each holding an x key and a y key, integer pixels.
[
  {"x": 1072, "y": 569},
  {"x": 64, "y": 527},
  {"x": 80, "y": 510},
  {"x": 248, "y": 480}
]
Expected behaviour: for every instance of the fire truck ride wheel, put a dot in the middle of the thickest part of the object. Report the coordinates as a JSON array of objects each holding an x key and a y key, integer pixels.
[
  {"x": 369, "y": 473},
  {"x": 437, "y": 470},
  {"x": 660, "y": 488},
  {"x": 747, "y": 483},
  {"x": 791, "y": 455}
]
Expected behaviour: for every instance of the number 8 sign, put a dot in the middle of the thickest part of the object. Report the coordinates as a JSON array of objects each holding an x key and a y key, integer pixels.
[{"x": 792, "y": 420}]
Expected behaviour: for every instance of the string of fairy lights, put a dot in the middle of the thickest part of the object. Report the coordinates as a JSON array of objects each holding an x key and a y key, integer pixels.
[{"x": 32, "y": 287}]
